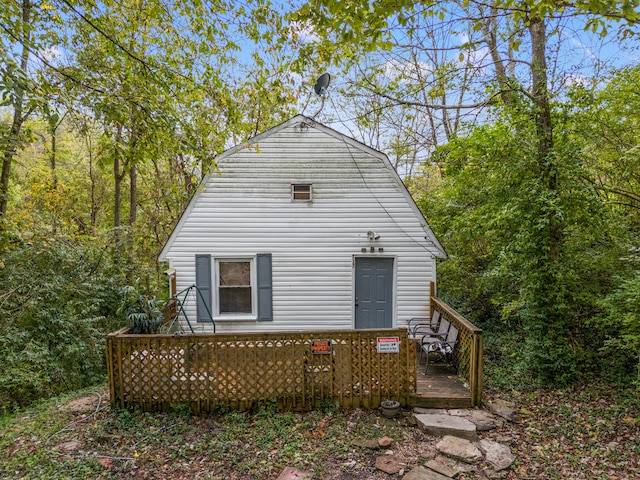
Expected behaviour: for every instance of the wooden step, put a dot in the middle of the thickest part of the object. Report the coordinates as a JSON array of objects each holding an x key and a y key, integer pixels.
[{"x": 439, "y": 388}]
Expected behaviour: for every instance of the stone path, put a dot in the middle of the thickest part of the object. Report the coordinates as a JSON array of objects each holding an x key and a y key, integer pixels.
[{"x": 459, "y": 448}]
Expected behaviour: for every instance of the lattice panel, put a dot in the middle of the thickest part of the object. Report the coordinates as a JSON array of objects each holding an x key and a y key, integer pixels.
[
  {"x": 207, "y": 371},
  {"x": 462, "y": 350}
]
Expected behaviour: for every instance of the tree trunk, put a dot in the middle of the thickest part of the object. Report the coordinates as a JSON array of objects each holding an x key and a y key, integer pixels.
[
  {"x": 10, "y": 146},
  {"x": 133, "y": 197},
  {"x": 94, "y": 208},
  {"x": 489, "y": 33},
  {"x": 10, "y": 143},
  {"x": 540, "y": 93},
  {"x": 52, "y": 158},
  {"x": 117, "y": 178},
  {"x": 132, "y": 160},
  {"x": 54, "y": 174},
  {"x": 544, "y": 131}
]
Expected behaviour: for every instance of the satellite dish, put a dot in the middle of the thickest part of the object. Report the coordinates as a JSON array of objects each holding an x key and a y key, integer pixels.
[{"x": 322, "y": 84}]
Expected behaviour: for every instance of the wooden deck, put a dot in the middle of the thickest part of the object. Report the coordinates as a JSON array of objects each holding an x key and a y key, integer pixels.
[{"x": 439, "y": 388}]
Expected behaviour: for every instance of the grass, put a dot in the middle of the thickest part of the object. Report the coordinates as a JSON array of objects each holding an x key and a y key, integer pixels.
[
  {"x": 584, "y": 432},
  {"x": 588, "y": 431},
  {"x": 54, "y": 440}
]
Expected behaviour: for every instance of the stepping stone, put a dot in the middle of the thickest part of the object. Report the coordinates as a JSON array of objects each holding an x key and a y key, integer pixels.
[
  {"x": 504, "y": 439},
  {"x": 442, "y": 467},
  {"x": 421, "y": 473},
  {"x": 373, "y": 444},
  {"x": 502, "y": 409},
  {"x": 459, "y": 412},
  {"x": 460, "y": 449},
  {"x": 430, "y": 411},
  {"x": 482, "y": 420},
  {"x": 504, "y": 403},
  {"x": 385, "y": 442},
  {"x": 499, "y": 456},
  {"x": 389, "y": 464},
  {"x": 290, "y": 473},
  {"x": 439, "y": 425}
]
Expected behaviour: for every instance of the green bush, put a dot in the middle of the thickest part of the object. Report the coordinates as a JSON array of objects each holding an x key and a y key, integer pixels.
[
  {"x": 621, "y": 324},
  {"x": 142, "y": 313},
  {"x": 528, "y": 250},
  {"x": 57, "y": 302}
]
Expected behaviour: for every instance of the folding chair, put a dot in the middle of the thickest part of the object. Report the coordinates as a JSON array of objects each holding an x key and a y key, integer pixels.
[
  {"x": 441, "y": 343},
  {"x": 420, "y": 326}
]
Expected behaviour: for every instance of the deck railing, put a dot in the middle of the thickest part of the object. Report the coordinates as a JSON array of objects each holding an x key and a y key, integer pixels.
[
  {"x": 210, "y": 371},
  {"x": 467, "y": 355}
]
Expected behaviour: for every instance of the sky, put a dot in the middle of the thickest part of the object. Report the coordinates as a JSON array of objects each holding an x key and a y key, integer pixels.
[{"x": 575, "y": 56}]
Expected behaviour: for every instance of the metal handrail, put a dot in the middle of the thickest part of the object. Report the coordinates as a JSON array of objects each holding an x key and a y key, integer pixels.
[{"x": 180, "y": 303}]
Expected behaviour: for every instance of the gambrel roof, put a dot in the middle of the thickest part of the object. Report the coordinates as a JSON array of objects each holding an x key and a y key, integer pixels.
[{"x": 301, "y": 122}]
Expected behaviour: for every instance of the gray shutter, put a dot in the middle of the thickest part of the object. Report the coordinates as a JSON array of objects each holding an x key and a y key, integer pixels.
[
  {"x": 203, "y": 282},
  {"x": 265, "y": 291}
]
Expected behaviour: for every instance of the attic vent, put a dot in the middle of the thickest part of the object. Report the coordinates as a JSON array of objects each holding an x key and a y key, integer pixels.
[{"x": 301, "y": 192}]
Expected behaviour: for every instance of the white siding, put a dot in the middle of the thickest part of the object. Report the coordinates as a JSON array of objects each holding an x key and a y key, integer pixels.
[{"x": 247, "y": 209}]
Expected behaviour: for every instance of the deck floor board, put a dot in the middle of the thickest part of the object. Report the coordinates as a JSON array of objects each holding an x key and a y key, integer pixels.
[{"x": 439, "y": 388}]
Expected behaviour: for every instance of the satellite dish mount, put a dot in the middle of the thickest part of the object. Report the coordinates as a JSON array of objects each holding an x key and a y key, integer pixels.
[{"x": 321, "y": 88}]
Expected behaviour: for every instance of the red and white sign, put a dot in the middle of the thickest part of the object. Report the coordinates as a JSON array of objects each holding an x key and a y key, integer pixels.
[
  {"x": 321, "y": 347},
  {"x": 388, "y": 344}
]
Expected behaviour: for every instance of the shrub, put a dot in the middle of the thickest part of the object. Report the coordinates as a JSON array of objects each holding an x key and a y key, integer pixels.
[
  {"x": 142, "y": 313},
  {"x": 57, "y": 302},
  {"x": 621, "y": 323}
]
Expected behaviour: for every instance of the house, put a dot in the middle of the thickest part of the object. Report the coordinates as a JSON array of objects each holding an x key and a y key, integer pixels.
[{"x": 303, "y": 228}]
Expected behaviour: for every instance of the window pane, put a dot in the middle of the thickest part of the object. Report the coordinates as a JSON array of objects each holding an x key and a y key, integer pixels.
[
  {"x": 235, "y": 299},
  {"x": 235, "y": 273}
]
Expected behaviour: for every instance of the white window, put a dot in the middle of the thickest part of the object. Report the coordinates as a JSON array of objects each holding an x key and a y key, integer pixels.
[
  {"x": 301, "y": 192},
  {"x": 235, "y": 292}
]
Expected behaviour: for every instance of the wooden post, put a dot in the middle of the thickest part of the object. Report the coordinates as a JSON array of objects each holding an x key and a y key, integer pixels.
[
  {"x": 479, "y": 370},
  {"x": 475, "y": 369},
  {"x": 432, "y": 294},
  {"x": 110, "y": 370}
]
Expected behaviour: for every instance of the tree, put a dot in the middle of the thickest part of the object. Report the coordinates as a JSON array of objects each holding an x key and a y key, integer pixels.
[
  {"x": 543, "y": 252},
  {"x": 414, "y": 91},
  {"x": 606, "y": 120},
  {"x": 168, "y": 98},
  {"x": 116, "y": 132},
  {"x": 18, "y": 21}
]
